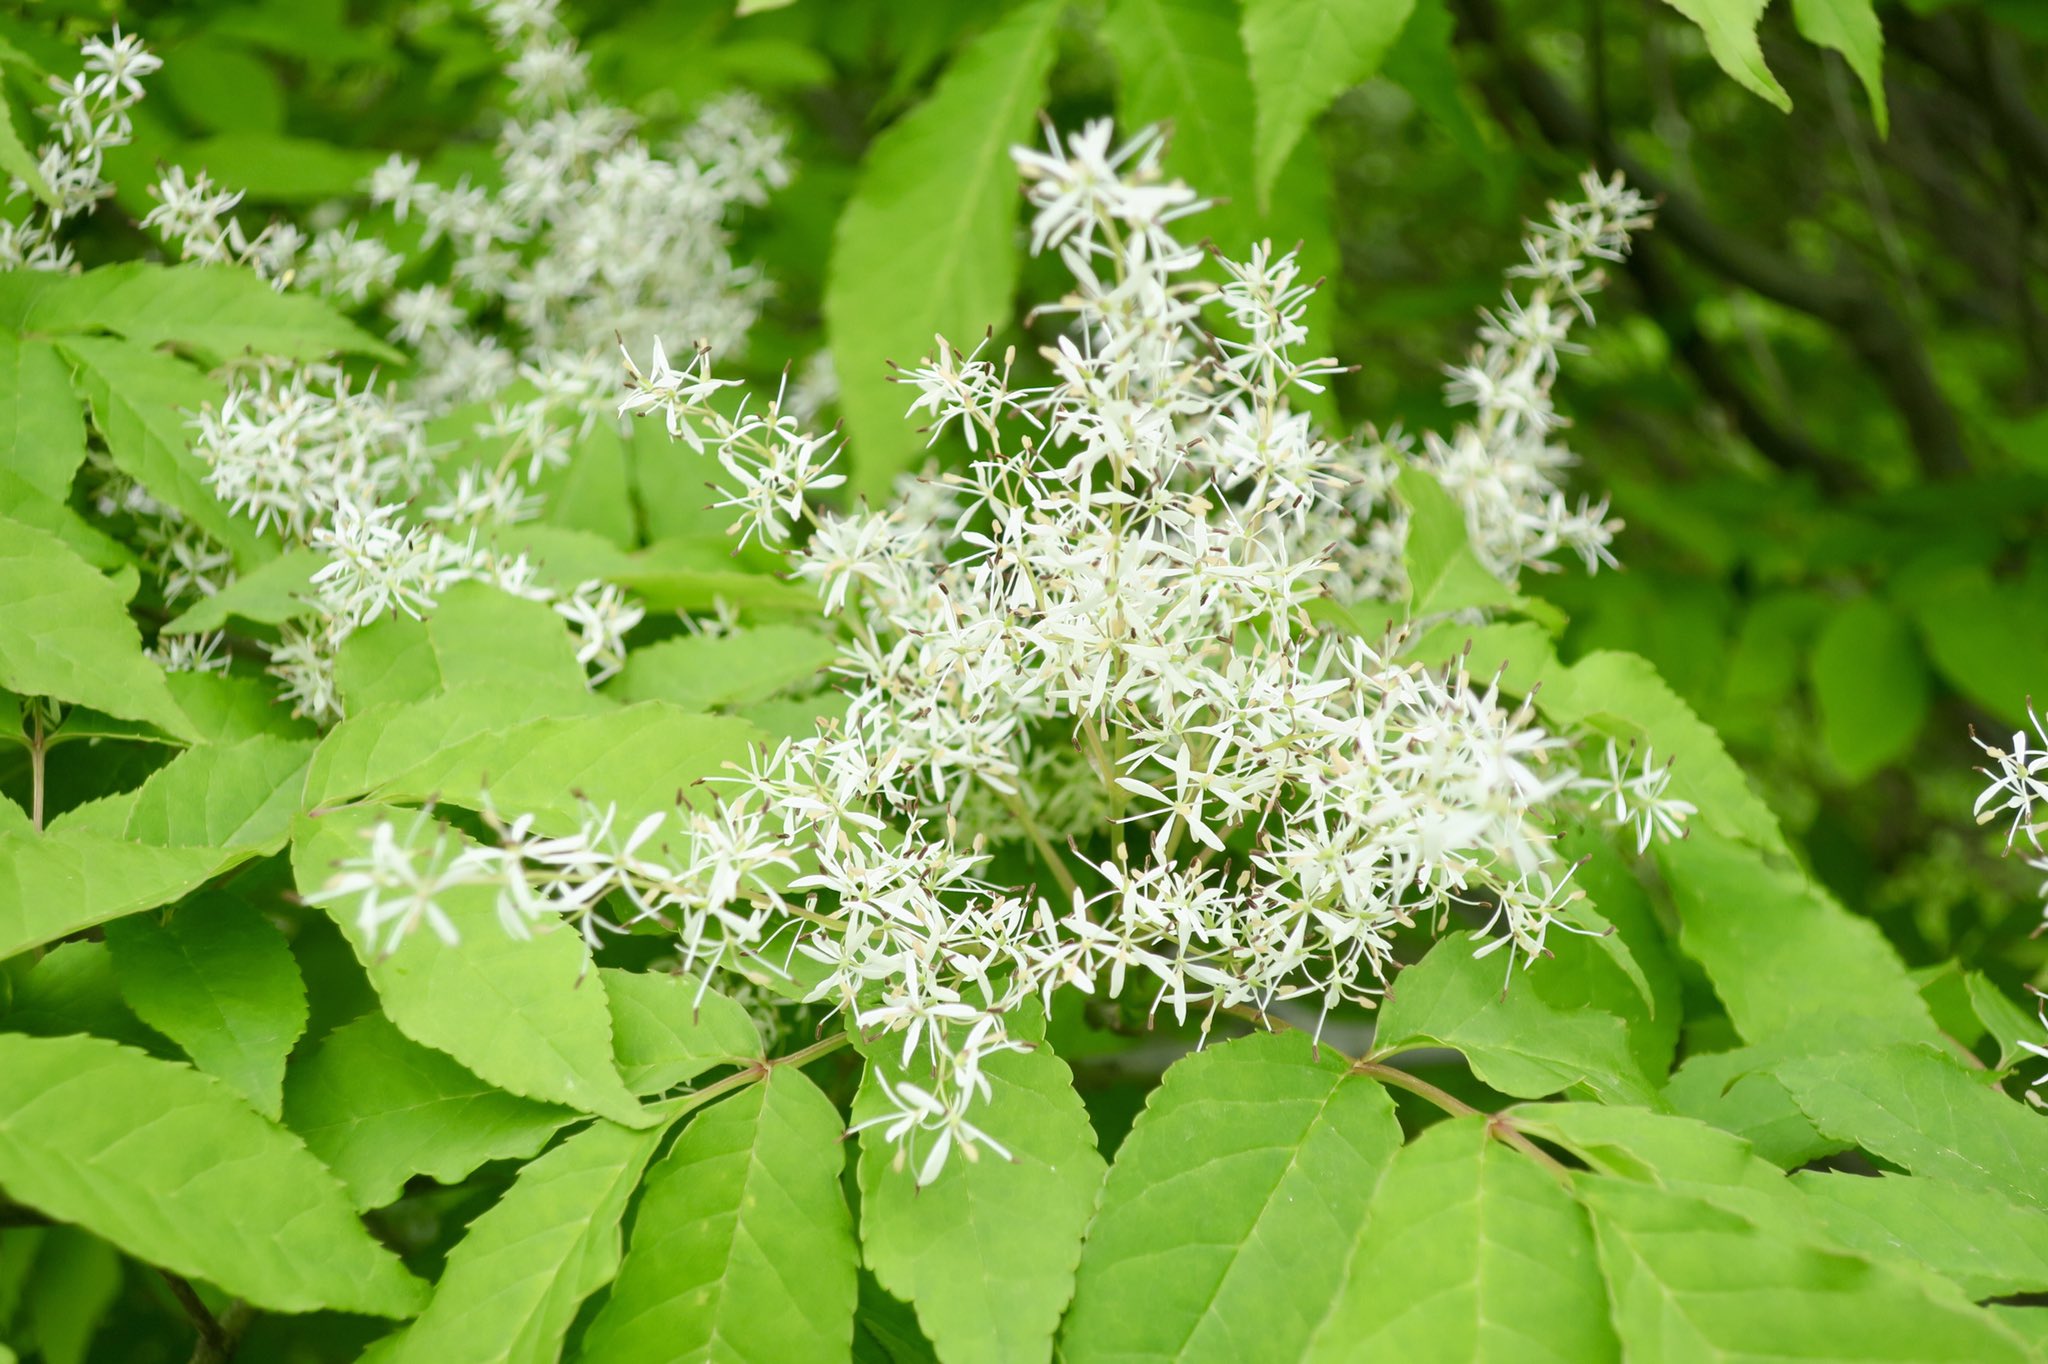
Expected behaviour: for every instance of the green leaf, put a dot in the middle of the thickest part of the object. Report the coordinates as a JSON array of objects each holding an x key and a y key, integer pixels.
[
  {"x": 928, "y": 242},
  {"x": 67, "y": 880},
  {"x": 379, "y": 1108},
  {"x": 1443, "y": 573},
  {"x": 216, "y": 978},
  {"x": 1736, "y": 1092},
  {"x": 229, "y": 708},
  {"x": 1851, "y": 28},
  {"x": 689, "y": 574},
  {"x": 1516, "y": 1040},
  {"x": 1231, "y": 1206},
  {"x": 1469, "y": 1252},
  {"x": 169, "y": 1164},
  {"x": 529, "y": 1016},
  {"x": 75, "y": 1279},
  {"x": 18, "y": 161},
  {"x": 65, "y": 634},
  {"x": 1869, "y": 686},
  {"x": 381, "y": 743},
  {"x": 141, "y": 401},
  {"x": 271, "y": 594},
  {"x": 1730, "y": 29},
  {"x": 1986, "y": 1244},
  {"x": 1782, "y": 954},
  {"x": 2005, "y": 1021},
  {"x": 231, "y": 796},
  {"x": 474, "y": 636},
  {"x": 640, "y": 758},
  {"x": 1421, "y": 62},
  {"x": 1690, "y": 1280},
  {"x": 986, "y": 1253},
  {"x": 71, "y": 989},
  {"x": 1303, "y": 54},
  {"x": 42, "y": 427},
  {"x": 742, "y": 1247},
  {"x": 1926, "y": 1114},
  {"x": 218, "y": 311},
  {"x": 667, "y": 1029},
  {"x": 1183, "y": 61},
  {"x": 1621, "y": 695},
  {"x": 275, "y": 169},
  {"x": 698, "y": 672},
  {"x": 516, "y": 1279}
]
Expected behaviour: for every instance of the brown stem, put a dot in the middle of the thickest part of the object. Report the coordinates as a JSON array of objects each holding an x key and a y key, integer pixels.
[
  {"x": 1498, "y": 1125},
  {"x": 38, "y": 753},
  {"x": 218, "y": 1336}
]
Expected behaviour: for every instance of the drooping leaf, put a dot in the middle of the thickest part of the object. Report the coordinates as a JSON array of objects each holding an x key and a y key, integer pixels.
[
  {"x": 928, "y": 243},
  {"x": 1925, "y": 1113},
  {"x": 742, "y": 1247},
  {"x": 219, "y": 980},
  {"x": 141, "y": 401},
  {"x": 1851, "y": 28},
  {"x": 169, "y": 1164},
  {"x": 668, "y": 1029},
  {"x": 1469, "y": 1252},
  {"x": 1782, "y": 954},
  {"x": 379, "y": 1108},
  {"x": 1730, "y": 29},
  {"x": 528, "y": 1015},
  {"x": 516, "y": 1279},
  {"x": 1986, "y": 1244},
  {"x": 1690, "y": 1280},
  {"x": 979, "y": 1297},
  {"x": 42, "y": 426},
  {"x": 2005, "y": 1021},
  {"x": 65, "y": 634},
  {"x": 1231, "y": 1206},
  {"x": 1303, "y": 54},
  {"x": 1516, "y": 1040}
]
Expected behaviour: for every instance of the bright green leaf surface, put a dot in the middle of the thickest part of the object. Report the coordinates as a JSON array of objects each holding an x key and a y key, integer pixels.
[
  {"x": 1231, "y": 1207},
  {"x": 219, "y": 980},
  {"x": 1987, "y": 1244},
  {"x": 69, "y": 880},
  {"x": 667, "y": 1029},
  {"x": 1869, "y": 685},
  {"x": 42, "y": 426},
  {"x": 742, "y": 1247},
  {"x": 1730, "y": 29},
  {"x": 379, "y": 1108},
  {"x": 170, "y": 1165},
  {"x": 698, "y": 672},
  {"x": 1303, "y": 54}
]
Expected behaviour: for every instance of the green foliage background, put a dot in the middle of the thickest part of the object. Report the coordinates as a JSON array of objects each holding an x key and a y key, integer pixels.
[{"x": 1819, "y": 396}]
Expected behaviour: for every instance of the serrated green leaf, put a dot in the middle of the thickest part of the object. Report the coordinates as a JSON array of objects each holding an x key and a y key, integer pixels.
[
  {"x": 71, "y": 989},
  {"x": 1736, "y": 1092},
  {"x": 1231, "y": 1206},
  {"x": 1622, "y": 695},
  {"x": 379, "y": 1108},
  {"x": 1515, "y": 1039},
  {"x": 527, "y": 1015},
  {"x": 1851, "y": 28},
  {"x": 67, "y": 880},
  {"x": 516, "y": 1279},
  {"x": 1925, "y": 1113},
  {"x": 228, "y": 708},
  {"x": 42, "y": 425},
  {"x": 18, "y": 161},
  {"x": 230, "y": 796},
  {"x": 268, "y": 595},
  {"x": 1869, "y": 686},
  {"x": 219, "y": 980},
  {"x": 141, "y": 401},
  {"x": 742, "y": 1247},
  {"x": 979, "y": 1297},
  {"x": 640, "y": 759},
  {"x": 1469, "y": 1252},
  {"x": 475, "y": 635},
  {"x": 218, "y": 311},
  {"x": 169, "y": 1164},
  {"x": 1302, "y": 55},
  {"x": 1730, "y": 29},
  {"x": 928, "y": 242},
  {"x": 1693, "y": 1281},
  {"x": 2006, "y": 1022},
  {"x": 698, "y": 672},
  {"x": 1443, "y": 572},
  {"x": 1782, "y": 954},
  {"x": 65, "y": 634},
  {"x": 667, "y": 1029},
  {"x": 1986, "y": 1244},
  {"x": 379, "y": 744}
]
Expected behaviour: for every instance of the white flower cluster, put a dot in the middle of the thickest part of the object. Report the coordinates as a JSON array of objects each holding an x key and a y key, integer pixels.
[
  {"x": 89, "y": 117},
  {"x": 1090, "y": 651},
  {"x": 2018, "y": 784}
]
